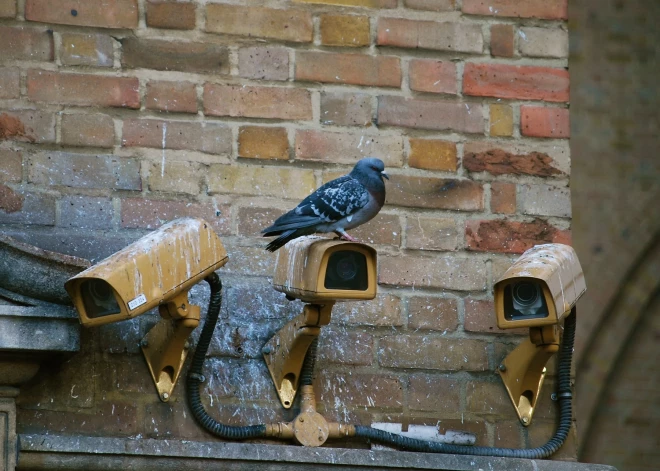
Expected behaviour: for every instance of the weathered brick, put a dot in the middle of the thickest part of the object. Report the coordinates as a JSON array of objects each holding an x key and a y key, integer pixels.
[
  {"x": 384, "y": 229},
  {"x": 257, "y": 102},
  {"x": 501, "y": 235},
  {"x": 355, "y": 69},
  {"x": 455, "y": 37},
  {"x": 152, "y": 213},
  {"x": 9, "y": 83},
  {"x": 434, "y": 5},
  {"x": 501, "y": 40},
  {"x": 439, "y": 394},
  {"x": 261, "y": 181},
  {"x": 209, "y": 137},
  {"x": 84, "y": 171},
  {"x": 23, "y": 207},
  {"x": 431, "y": 234},
  {"x": 8, "y": 8},
  {"x": 544, "y": 430},
  {"x": 344, "y": 346},
  {"x": 361, "y": 390},
  {"x": 507, "y": 434},
  {"x": 170, "y": 15},
  {"x": 99, "y": 13},
  {"x": 440, "y": 271},
  {"x": 346, "y": 109},
  {"x": 430, "y": 313},
  {"x": 195, "y": 57},
  {"x": 543, "y": 42},
  {"x": 27, "y": 126},
  {"x": 94, "y": 130},
  {"x": 87, "y": 49},
  {"x": 501, "y": 120},
  {"x": 487, "y": 398},
  {"x": 253, "y": 261},
  {"x": 345, "y": 30},
  {"x": 384, "y": 310},
  {"x": 433, "y": 353},
  {"x": 251, "y": 220},
  {"x": 503, "y": 197},
  {"x": 355, "y": 3},
  {"x": 433, "y": 76},
  {"x": 177, "y": 97},
  {"x": 438, "y": 193},
  {"x": 517, "y": 159},
  {"x": 480, "y": 317},
  {"x": 516, "y": 82},
  {"x": 430, "y": 114},
  {"x": 546, "y": 9},
  {"x": 539, "y": 121},
  {"x": 86, "y": 212},
  {"x": 82, "y": 89},
  {"x": 335, "y": 147},
  {"x": 11, "y": 165},
  {"x": 263, "y": 63},
  {"x": 25, "y": 43},
  {"x": 175, "y": 177},
  {"x": 260, "y": 142},
  {"x": 544, "y": 200},
  {"x": 432, "y": 154},
  {"x": 282, "y": 24}
]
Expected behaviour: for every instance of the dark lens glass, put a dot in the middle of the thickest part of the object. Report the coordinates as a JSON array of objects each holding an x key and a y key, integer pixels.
[
  {"x": 524, "y": 300},
  {"x": 347, "y": 270},
  {"x": 98, "y": 298},
  {"x": 526, "y": 293}
]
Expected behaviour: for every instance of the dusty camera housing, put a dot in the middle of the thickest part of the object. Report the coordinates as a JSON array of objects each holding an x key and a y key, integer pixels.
[
  {"x": 318, "y": 270},
  {"x": 539, "y": 288},
  {"x": 149, "y": 272}
]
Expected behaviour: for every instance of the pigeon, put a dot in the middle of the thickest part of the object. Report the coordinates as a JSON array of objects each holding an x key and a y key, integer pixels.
[{"x": 343, "y": 203}]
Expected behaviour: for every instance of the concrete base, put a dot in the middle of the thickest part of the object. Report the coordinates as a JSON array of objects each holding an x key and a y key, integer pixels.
[
  {"x": 8, "y": 437},
  {"x": 51, "y": 452}
]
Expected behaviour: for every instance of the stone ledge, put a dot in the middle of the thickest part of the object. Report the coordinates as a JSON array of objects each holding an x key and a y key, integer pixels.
[{"x": 53, "y": 452}]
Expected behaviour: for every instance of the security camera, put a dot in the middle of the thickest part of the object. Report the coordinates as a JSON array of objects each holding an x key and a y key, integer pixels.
[
  {"x": 539, "y": 288},
  {"x": 317, "y": 270},
  {"x": 157, "y": 270}
]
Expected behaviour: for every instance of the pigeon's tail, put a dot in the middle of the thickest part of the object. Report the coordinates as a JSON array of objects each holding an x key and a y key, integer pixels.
[{"x": 286, "y": 236}]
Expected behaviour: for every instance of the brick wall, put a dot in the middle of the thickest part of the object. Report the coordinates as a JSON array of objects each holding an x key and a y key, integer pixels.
[{"x": 119, "y": 115}]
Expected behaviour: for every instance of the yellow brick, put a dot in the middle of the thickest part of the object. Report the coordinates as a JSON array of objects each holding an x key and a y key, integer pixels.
[
  {"x": 263, "y": 143},
  {"x": 432, "y": 154},
  {"x": 501, "y": 120},
  {"x": 261, "y": 181},
  {"x": 345, "y": 30}
]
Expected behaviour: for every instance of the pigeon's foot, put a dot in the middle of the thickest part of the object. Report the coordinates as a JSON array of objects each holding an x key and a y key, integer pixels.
[{"x": 343, "y": 235}]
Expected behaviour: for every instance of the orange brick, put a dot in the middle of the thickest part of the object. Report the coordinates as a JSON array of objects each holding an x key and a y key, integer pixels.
[
  {"x": 501, "y": 120},
  {"x": 100, "y": 13},
  {"x": 355, "y": 69},
  {"x": 539, "y": 121},
  {"x": 501, "y": 235},
  {"x": 546, "y": 9},
  {"x": 432, "y": 154},
  {"x": 503, "y": 197},
  {"x": 345, "y": 30},
  {"x": 170, "y": 15},
  {"x": 499, "y": 159},
  {"x": 87, "y": 49},
  {"x": 257, "y": 102},
  {"x": 454, "y": 37},
  {"x": 501, "y": 40},
  {"x": 177, "y": 97},
  {"x": 433, "y": 76},
  {"x": 261, "y": 142}
]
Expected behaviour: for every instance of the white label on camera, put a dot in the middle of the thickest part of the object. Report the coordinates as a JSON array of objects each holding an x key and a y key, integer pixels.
[{"x": 137, "y": 302}]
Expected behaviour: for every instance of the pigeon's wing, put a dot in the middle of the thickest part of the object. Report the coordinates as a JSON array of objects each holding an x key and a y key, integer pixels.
[{"x": 332, "y": 202}]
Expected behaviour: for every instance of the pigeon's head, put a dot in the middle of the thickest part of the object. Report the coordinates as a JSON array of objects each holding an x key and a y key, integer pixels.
[{"x": 370, "y": 167}]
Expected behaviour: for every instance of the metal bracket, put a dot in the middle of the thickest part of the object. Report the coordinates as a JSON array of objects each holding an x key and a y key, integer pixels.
[
  {"x": 165, "y": 346},
  {"x": 285, "y": 352},
  {"x": 523, "y": 370}
]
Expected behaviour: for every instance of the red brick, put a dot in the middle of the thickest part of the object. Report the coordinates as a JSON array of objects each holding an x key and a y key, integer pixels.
[
  {"x": 263, "y": 63},
  {"x": 384, "y": 310},
  {"x": 433, "y": 353},
  {"x": 455, "y": 37},
  {"x": 25, "y": 43},
  {"x": 439, "y": 394},
  {"x": 355, "y": 3},
  {"x": 9, "y": 83},
  {"x": 27, "y": 126},
  {"x": 346, "y": 347},
  {"x": 434, "y": 5},
  {"x": 546, "y": 9},
  {"x": 94, "y": 130},
  {"x": 192, "y": 57},
  {"x": 260, "y": 142},
  {"x": 335, "y": 147},
  {"x": 152, "y": 213},
  {"x": 82, "y": 89},
  {"x": 100, "y": 13},
  {"x": 345, "y": 30},
  {"x": 480, "y": 317},
  {"x": 433, "y": 76},
  {"x": 501, "y": 40},
  {"x": 355, "y": 69},
  {"x": 87, "y": 49},
  {"x": 360, "y": 389},
  {"x": 488, "y": 398},
  {"x": 507, "y": 434},
  {"x": 499, "y": 159},
  {"x": 11, "y": 201},
  {"x": 431, "y": 313},
  {"x": 539, "y": 121},
  {"x": 432, "y": 154},
  {"x": 430, "y": 114},
  {"x": 438, "y": 193},
  {"x": 257, "y": 102},
  {"x": 439, "y": 271},
  {"x": 11, "y": 166},
  {"x": 22, "y": 207},
  {"x": 346, "y": 109},
  {"x": 86, "y": 212},
  {"x": 431, "y": 233},
  {"x": 503, "y": 197},
  {"x": 501, "y": 235},
  {"x": 282, "y": 24},
  {"x": 209, "y": 137},
  {"x": 170, "y": 15},
  {"x": 177, "y": 97},
  {"x": 8, "y": 8},
  {"x": 543, "y": 430},
  {"x": 516, "y": 82}
]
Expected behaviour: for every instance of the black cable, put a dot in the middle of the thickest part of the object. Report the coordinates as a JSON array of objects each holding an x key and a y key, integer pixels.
[
  {"x": 307, "y": 370},
  {"x": 195, "y": 376},
  {"x": 564, "y": 397}
]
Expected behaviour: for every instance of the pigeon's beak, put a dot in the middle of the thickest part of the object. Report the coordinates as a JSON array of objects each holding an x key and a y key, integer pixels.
[{"x": 385, "y": 175}]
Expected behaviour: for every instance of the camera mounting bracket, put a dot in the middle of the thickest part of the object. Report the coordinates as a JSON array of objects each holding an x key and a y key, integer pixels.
[{"x": 285, "y": 352}]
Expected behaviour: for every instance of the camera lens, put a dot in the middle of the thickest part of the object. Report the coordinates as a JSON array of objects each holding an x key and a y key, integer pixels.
[
  {"x": 98, "y": 298},
  {"x": 526, "y": 294},
  {"x": 346, "y": 268}
]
